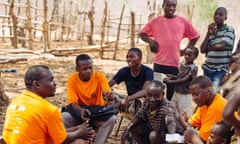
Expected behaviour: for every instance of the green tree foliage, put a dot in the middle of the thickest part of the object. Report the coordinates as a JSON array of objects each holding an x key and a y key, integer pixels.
[{"x": 205, "y": 9}]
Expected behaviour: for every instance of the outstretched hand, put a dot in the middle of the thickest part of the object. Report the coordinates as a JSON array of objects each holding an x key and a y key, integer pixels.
[
  {"x": 168, "y": 78},
  {"x": 108, "y": 95}
]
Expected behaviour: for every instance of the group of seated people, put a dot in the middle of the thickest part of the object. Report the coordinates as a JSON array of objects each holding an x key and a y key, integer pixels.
[
  {"x": 32, "y": 119},
  {"x": 87, "y": 92}
]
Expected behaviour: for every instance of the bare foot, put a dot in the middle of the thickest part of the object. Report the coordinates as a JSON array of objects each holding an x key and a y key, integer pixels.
[{"x": 85, "y": 132}]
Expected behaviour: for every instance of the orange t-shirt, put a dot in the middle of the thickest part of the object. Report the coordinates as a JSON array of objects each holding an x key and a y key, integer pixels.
[
  {"x": 206, "y": 116},
  {"x": 87, "y": 93},
  {"x": 30, "y": 119}
]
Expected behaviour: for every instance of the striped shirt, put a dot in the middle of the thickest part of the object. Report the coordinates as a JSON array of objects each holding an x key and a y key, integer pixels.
[
  {"x": 219, "y": 60},
  {"x": 157, "y": 119}
]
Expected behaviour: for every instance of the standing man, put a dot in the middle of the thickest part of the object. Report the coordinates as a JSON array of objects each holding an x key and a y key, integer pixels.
[
  {"x": 218, "y": 45},
  {"x": 164, "y": 35},
  {"x": 30, "y": 118},
  {"x": 88, "y": 88}
]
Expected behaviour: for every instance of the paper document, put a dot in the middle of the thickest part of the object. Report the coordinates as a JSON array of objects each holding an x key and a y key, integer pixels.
[{"x": 174, "y": 138}]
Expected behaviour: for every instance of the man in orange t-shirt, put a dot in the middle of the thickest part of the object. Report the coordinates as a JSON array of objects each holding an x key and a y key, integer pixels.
[
  {"x": 88, "y": 88},
  {"x": 32, "y": 119},
  {"x": 210, "y": 107}
]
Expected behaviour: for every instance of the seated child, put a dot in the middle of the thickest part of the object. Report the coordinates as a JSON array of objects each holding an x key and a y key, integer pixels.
[
  {"x": 155, "y": 119},
  {"x": 182, "y": 98},
  {"x": 220, "y": 133}
]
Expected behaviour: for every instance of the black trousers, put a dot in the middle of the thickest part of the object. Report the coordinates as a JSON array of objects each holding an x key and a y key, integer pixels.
[{"x": 167, "y": 70}]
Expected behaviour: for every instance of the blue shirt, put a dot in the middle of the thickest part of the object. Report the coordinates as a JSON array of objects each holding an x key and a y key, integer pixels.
[{"x": 134, "y": 84}]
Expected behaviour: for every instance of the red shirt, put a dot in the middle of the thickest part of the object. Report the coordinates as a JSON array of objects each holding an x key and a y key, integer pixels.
[{"x": 169, "y": 33}]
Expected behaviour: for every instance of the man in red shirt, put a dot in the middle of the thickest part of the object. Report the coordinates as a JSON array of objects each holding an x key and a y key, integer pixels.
[{"x": 164, "y": 35}]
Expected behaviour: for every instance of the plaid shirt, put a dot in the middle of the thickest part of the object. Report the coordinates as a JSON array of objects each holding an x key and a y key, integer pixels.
[{"x": 157, "y": 119}]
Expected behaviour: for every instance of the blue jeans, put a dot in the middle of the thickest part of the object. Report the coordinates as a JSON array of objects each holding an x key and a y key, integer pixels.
[{"x": 216, "y": 77}]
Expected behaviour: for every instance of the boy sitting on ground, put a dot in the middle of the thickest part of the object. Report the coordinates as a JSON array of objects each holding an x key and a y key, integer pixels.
[
  {"x": 87, "y": 90},
  {"x": 155, "y": 119}
]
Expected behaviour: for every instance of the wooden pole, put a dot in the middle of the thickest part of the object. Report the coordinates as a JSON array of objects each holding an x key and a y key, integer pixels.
[
  {"x": 132, "y": 42},
  {"x": 83, "y": 27},
  {"x": 154, "y": 7},
  {"x": 139, "y": 27},
  {"x": 4, "y": 19},
  {"x": 104, "y": 20},
  {"x": 74, "y": 21},
  {"x": 9, "y": 22},
  {"x": 91, "y": 19},
  {"x": 19, "y": 9},
  {"x": 128, "y": 28},
  {"x": 118, "y": 33},
  {"x": 45, "y": 27},
  {"x": 29, "y": 24},
  {"x": 3, "y": 32},
  {"x": 36, "y": 13},
  {"x": 68, "y": 29},
  {"x": 21, "y": 30},
  {"x": 63, "y": 20},
  {"x": 108, "y": 25},
  {"x": 190, "y": 11},
  {"x": 14, "y": 21},
  {"x": 54, "y": 18}
]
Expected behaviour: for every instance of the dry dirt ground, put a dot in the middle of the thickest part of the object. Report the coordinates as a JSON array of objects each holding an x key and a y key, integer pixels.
[{"x": 62, "y": 67}]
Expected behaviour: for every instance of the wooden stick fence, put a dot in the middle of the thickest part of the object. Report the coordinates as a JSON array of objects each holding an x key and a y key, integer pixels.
[{"x": 27, "y": 23}]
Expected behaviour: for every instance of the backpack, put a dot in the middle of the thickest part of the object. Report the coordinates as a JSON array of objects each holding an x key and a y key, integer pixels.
[{"x": 98, "y": 113}]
